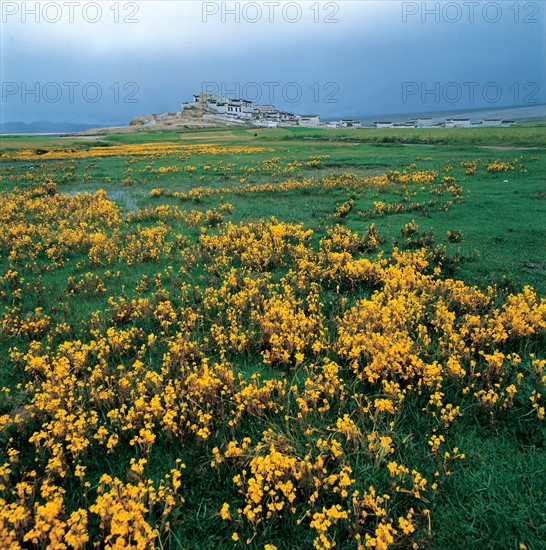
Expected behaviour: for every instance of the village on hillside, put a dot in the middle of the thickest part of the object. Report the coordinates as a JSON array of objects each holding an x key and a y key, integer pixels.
[
  {"x": 213, "y": 109},
  {"x": 245, "y": 111},
  {"x": 216, "y": 109}
]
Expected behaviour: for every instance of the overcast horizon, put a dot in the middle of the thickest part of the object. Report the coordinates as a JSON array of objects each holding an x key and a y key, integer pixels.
[{"x": 102, "y": 63}]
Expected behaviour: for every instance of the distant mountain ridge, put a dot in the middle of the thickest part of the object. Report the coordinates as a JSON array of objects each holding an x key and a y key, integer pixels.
[{"x": 44, "y": 126}]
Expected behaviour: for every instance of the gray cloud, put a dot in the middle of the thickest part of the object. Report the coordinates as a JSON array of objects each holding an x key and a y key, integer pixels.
[{"x": 358, "y": 65}]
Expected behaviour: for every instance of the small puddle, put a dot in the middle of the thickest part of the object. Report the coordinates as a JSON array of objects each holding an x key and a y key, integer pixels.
[{"x": 124, "y": 199}]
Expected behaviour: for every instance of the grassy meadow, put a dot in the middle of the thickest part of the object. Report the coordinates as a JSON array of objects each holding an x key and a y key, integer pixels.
[{"x": 274, "y": 338}]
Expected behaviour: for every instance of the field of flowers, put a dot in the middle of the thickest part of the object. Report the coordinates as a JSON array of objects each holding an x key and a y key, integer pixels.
[{"x": 263, "y": 352}]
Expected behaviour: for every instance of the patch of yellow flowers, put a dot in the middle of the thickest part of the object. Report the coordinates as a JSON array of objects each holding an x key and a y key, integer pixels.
[{"x": 349, "y": 345}]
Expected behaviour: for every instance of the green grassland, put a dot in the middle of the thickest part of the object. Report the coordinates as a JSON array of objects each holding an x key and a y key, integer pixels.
[
  {"x": 496, "y": 497},
  {"x": 501, "y": 217}
]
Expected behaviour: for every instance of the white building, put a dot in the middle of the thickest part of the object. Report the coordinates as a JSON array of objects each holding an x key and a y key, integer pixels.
[
  {"x": 309, "y": 121},
  {"x": 265, "y": 108},
  {"x": 458, "y": 123},
  {"x": 383, "y": 124},
  {"x": 349, "y": 123},
  {"x": 492, "y": 122},
  {"x": 424, "y": 122},
  {"x": 221, "y": 107},
  {"x": 234, "y": 109}
]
